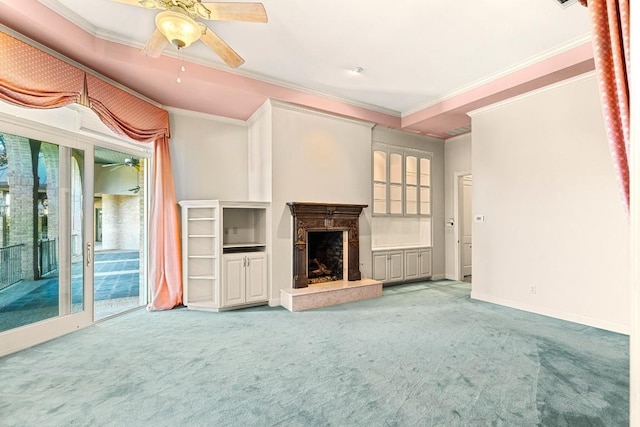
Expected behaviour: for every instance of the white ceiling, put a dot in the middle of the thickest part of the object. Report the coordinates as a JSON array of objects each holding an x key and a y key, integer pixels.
[{"x": 414, "y": 52}]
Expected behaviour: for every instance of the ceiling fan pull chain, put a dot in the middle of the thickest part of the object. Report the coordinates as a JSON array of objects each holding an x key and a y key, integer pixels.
[{"x": 182, "y": 68}]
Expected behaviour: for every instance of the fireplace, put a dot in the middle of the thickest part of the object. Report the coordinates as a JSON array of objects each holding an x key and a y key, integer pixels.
[
  {"x": 326, "y": 236},
  {"x": 325, "y": 256}
]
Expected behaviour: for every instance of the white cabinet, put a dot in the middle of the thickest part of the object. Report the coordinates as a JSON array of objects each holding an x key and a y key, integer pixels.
[
  {"x": 224, "y": 253},
  {"x": 401, "y": 265},
  {"x": 244, "y": 279},
  {"x": 388, "y": 266},
  {"x": 417, "y": 264},
  {"x": 401, "y": 181}
]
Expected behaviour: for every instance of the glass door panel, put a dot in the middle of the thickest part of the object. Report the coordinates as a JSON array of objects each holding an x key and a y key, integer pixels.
[
  {"x": 36, "y": 231},
  {"x": 395, "y": 183},
  {"x": 379, "y": 182},
  {"x": 411, "y": 185},
  {"x": 425, "y": 186},
  {"x": 395, "y": 199},
  {"x": 119, "y": 283}
]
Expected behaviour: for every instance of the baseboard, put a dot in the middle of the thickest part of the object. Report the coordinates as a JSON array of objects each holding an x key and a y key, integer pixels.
[
  {"x": 556, "y": 314},
  {"x": 274, "y": 302},
  {"x": 438, "y": 277}
]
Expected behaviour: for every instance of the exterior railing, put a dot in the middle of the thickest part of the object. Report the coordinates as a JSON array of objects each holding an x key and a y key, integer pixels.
[
  {"x": 10, "y": 265},
  {"x": 47, "y": 256}
]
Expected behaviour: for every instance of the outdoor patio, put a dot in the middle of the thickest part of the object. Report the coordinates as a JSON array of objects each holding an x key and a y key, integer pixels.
[{"x": 116, "y": 289}]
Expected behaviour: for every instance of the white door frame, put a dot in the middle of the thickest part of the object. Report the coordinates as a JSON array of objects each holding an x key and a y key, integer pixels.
[{"x": 457, "y": 224}]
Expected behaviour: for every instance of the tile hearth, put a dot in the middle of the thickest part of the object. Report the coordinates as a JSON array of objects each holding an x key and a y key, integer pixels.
[{"x": 329, "y": 293}]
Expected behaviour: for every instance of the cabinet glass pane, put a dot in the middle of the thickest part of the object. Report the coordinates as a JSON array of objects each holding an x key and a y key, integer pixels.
[
  {"x": 379, "y": 166},
  {"x": 395, "y": 168},
  {"x": 412, "y": 200},
  {"x": 411, "y": 173},
  {"x": 379, "y": 198},
  {"x": 425, "y": 172},
  {"x": 425, "y": 201},
  {"x": 395, "y": 199}
]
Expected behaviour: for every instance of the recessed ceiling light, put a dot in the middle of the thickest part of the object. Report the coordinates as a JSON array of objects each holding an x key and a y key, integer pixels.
[{"x": 356, "y": 71}]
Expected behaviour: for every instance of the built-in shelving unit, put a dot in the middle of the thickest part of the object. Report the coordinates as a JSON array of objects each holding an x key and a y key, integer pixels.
[{"x": 225, "y": 254}]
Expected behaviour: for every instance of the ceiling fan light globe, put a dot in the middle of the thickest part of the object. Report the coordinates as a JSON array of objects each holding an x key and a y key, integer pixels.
[{"x": 180, "y": 29}]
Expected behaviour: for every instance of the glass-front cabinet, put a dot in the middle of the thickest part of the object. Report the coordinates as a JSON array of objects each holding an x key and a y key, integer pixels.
[{"x": 401, "y": 181}]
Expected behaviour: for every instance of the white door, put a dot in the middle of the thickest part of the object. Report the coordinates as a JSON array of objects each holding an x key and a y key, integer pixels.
[
  {"x": 256, "y": 277},
  {"x": 233, "y": 271},
  {"x": 467, "y": 224}
]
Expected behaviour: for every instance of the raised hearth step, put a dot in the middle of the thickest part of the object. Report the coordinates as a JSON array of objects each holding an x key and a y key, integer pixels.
[{"x": 329, "y": 293}]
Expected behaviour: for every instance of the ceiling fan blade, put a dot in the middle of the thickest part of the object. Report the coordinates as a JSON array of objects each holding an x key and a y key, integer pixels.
[
  {"x": 131, "y": 2},
  {"x": 246, "y": 12},
  {"x": 155, "y": 45},
  {"x": 220, "y": 47}
]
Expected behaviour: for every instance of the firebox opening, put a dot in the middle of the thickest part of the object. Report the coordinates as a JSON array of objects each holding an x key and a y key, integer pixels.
[{"x": 325, "y": 256}]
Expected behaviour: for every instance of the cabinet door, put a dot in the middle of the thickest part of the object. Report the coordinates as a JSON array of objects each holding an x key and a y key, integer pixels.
[
  {"x": 380, "y": 182},
  {"x": 425, "y": 263},
  {"x": 395, "y": 183},
  {"x": 256, "y": 278},
  {"x": 424, "y": 185},
  {"x": 380, "y": 266},
  {"x": 233, "y": 279},
  {"x": 411, "y": 185},
  {"x": 411, "y": 267},
  {"x": 396, "y": 266}
]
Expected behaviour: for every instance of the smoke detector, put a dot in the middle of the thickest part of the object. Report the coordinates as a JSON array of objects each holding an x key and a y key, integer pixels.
[{"x": 565, "y": 3}]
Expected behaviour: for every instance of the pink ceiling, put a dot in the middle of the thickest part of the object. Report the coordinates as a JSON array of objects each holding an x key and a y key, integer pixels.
[{"x": 217, "y": 92}]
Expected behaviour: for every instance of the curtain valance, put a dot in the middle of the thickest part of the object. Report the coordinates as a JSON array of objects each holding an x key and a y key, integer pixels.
[{"x": 32, "y": 78}]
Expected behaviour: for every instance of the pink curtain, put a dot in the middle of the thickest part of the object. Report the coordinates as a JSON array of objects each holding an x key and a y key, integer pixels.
[
  {"x": 32, "y": 78},
  {"x": 137, "y": 119},
  {"x": 611, "y": 47}
]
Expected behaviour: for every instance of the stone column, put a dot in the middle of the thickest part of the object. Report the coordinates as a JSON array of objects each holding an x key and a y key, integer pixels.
[
  {"x": 51, "y": 156},
  {"x": 21, "y": 183}
]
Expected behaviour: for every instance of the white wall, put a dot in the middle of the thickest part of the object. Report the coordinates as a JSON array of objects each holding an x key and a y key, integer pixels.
[
  {"x": 544, "y": 180},
  {"x": 260, "y": 161},
  {"x": 436, "y": 146},
  {"x": 316, "y": 158},
  {"x": 457, "y": 160},
  {"x": 208, "y": 156}
]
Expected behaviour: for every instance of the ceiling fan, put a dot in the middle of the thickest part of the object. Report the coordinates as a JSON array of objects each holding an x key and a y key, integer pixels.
[
  {"x": 132, "y": 163},
  {"x": 177, "y": 24}
]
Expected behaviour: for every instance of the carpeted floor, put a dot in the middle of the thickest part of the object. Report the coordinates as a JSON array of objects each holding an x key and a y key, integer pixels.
[{"x": 422, "y": 355}]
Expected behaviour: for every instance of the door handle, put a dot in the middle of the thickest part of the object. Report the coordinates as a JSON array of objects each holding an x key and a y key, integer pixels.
[
  {"x": 248, "y": 262},
  {"x": 89, "y": 254}
]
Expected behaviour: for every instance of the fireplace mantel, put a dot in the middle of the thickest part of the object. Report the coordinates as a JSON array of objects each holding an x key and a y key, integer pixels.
[{"x": 308, "y": 216}]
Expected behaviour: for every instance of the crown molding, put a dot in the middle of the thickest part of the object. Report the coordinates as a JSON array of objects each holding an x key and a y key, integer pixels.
[
  {"x": 578, "y": 41},
  {"x": 206, "y": 116},
  {"x": 313, "y": 112},
  {"x": 480, "y": 111}
]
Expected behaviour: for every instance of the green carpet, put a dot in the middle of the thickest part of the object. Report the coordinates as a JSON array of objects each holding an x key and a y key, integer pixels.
[{"x": 422, "y": 355}]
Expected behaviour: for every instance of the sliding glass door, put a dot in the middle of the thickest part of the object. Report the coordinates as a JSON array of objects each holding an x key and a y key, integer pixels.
[
  {"x": 119, "y": 207},
  {"x": 45, "y": 265}
]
